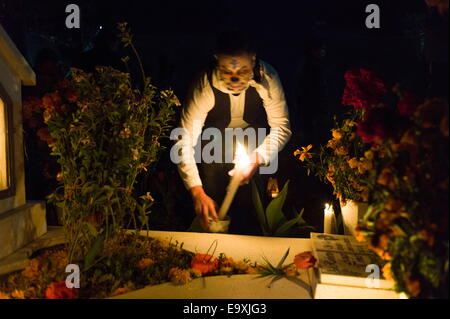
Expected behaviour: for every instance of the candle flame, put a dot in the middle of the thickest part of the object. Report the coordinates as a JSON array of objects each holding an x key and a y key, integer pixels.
[
  {"x": 402, "y": 295},
  {"x": 328, "y": 209},
  {"x": 242, "y": 160}
]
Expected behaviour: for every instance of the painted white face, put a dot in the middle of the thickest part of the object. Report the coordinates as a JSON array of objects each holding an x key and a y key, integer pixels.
[{"x": 236, "y": 71}]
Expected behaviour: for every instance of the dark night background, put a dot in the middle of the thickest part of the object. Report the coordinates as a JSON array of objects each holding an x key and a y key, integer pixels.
[{"x": 175, "y": 38}]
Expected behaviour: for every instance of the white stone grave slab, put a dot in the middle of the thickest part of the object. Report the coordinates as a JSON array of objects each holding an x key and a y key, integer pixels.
[{"x": 237, "y": 286}]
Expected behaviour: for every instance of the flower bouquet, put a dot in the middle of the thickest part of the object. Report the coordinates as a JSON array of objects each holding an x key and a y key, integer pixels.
[
  {"x": 134, "y": 262},
  {"x": 394, "y": 156}
]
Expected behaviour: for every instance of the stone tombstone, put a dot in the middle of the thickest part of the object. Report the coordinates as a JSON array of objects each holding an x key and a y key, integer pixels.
[{"x": 21, "y": 222}]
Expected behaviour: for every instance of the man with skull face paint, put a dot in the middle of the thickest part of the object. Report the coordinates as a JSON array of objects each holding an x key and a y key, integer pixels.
[{"x": 237, "y": 91}]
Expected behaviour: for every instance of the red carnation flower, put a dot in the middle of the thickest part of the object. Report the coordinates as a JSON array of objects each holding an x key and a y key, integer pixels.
[
  {"x": 44, "y": 134},
  {"x": 59, "y": 290},
  {"x": 363, "y": 88},
  {"x": 380, "y": 123}
]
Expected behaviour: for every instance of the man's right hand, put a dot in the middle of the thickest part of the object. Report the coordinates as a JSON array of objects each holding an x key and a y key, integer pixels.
[{"x": 204, "y": 206}]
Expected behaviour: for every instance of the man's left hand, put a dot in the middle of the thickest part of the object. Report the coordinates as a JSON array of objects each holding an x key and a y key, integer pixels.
[{"x": 255, "y": 161}]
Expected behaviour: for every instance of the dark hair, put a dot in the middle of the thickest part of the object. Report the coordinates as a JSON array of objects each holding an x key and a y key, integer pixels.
[{"x": 234, "y": 42}]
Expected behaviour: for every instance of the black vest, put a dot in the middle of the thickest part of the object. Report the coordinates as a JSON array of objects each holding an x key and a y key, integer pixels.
[{"x": 254, "y": 112}]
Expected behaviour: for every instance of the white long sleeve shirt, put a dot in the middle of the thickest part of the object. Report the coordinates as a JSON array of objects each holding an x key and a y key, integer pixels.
[{"x": 202, "y": 101}]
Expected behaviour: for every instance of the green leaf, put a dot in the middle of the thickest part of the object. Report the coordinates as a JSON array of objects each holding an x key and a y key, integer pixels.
[
  {"x": 259, "y": 208},
  {"x": 92, "y": 230},
  {"x": 270, "y": 266},
  {"x": 274, "y": 211},
  {"x": 284, "y": 229},
  {"x": 280, "y": 264},
  {"x": 93, "y": 252}
]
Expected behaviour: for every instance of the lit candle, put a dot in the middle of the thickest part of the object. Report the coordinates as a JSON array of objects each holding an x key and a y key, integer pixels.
[
  {"x": 328, "y": 219},
  {"x": 242, "y": 162},
  {"x": 272, "y": 187}
]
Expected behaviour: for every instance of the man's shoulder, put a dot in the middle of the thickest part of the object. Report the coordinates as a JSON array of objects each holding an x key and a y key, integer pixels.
[
  {"x": 267, "y": 69},
  {"x": 200, "y": 81}
]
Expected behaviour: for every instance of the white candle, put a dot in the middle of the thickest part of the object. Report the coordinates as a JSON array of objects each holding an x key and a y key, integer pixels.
[
  {"x": 231, "y": 192},
  {"x": 242, "y": 162},
  {"x": 328, "y": 219}
]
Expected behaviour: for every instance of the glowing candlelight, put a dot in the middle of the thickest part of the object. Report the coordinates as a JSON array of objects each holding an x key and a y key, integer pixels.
[
  {"x": 242, "y": 163},
  {"x": 272, "y": 187},
  {"x": 328, "y": 219}
]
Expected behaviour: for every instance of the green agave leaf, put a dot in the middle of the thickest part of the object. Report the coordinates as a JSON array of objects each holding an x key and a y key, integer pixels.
[
  {"x": 284, "y": 229},
  {"x": 259, "y": 208},
  {"x": 93, "y": 252},
  {"x": 270, "y": 266},
  {"x": 92, "y": 230},
  {"x": 280, "y": 264},
  {"x": 274, "y": 211}
]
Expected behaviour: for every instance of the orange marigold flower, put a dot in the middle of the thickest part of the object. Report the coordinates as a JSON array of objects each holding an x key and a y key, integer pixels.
[
  {"x": 387, "y": 273},
  {"x": 331, "y": 168},
  {"x": 241, "y": 266},
  {"x": 205, "y": 263},
  {"x": 304, "y": 152},
  {"x": 144, "y": 263},
  {"x": 4, "y": 295},
  {"x": 332, "y": 143},
  {"x": 364, "y": 165},
  {"x": 32, "y": 269},
  {"x": 179, "y": 276},
  {"x": 383, "y": 241},
  {"x": 305, "y": 260},
  {"x": 337, "y": 134},
  {"x": 330, "y": 178},
  {"x": 342, "y": 150},
  {"x": 369, "y": 155},
  {"x": 359, "y": 235},
  {"x": 385, "y": 177},
  {"x": 18, "y": 294},
  {"x": 59, "y": 290},
  {"x": 349, "y": 123},
  {"x": 353, "y": 162}
]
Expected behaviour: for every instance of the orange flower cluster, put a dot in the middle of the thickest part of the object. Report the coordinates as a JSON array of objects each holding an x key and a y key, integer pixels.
[
  {"x": 37, "y": 111},
  {"x": 304, "y": 153},
  {"x": 205, "y": 263},
  {"x": 59, "y": 290},
  {"x": 396, "y": 160}
]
